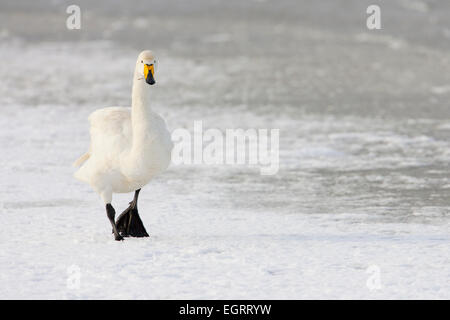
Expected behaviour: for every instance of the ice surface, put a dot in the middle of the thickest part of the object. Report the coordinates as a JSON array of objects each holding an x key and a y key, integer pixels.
[{"x": 364, "y": 152}]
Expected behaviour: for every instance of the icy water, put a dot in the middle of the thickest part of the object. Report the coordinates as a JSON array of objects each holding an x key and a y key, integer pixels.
[{"x": 364, "y": 118}]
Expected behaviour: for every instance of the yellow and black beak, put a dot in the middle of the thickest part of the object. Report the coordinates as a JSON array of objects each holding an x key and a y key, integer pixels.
[{"x": 149, "y": 71}]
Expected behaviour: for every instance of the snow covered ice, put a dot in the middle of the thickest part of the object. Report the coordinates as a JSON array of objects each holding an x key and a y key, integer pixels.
[{"x": 358, "y": 209}]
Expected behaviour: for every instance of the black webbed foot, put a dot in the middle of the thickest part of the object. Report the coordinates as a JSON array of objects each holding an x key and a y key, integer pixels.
[
  {"x": 118, "y": 238},
  {"x": 129, "y": 223}
]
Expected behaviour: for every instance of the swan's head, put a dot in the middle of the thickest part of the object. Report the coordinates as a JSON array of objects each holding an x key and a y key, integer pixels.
[{"x": 146, "y": 67}]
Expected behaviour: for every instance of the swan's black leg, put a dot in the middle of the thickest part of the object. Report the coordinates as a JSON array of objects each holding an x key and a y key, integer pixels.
[
  {"x": 129, "y": 222},
  {"x": 110, "y": 212}
]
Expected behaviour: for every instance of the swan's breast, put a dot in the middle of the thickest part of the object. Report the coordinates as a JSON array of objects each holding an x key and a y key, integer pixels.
[{"x": 151, "y": 157}]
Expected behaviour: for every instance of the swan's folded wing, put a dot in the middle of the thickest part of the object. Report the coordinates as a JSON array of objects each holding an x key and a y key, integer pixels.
[{"x": 110, "y": 130}]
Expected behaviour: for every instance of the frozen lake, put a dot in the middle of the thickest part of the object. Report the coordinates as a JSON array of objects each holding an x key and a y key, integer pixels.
[{"x": 358, "y": 209}]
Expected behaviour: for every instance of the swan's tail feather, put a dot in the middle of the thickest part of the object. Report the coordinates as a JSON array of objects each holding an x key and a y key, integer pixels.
[{"x": 81, "y": 159}]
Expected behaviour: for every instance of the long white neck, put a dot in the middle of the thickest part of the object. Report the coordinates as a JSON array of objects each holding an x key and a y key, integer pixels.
[{"x": 140, "y": 111}]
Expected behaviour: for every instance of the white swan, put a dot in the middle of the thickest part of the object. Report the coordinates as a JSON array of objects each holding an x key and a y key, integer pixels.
[{"x": 128, "y": 148}]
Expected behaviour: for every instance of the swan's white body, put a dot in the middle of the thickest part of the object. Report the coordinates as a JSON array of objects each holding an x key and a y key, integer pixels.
[{"x": 129, "y": 146}]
